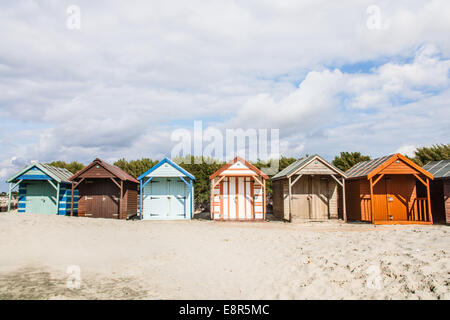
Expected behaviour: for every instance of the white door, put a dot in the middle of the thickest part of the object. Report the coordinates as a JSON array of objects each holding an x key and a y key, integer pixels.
[
  {"x": 236, "y": 199},
  {"x": 155, "y": 202},
  {"x": 177, "y": 198}
]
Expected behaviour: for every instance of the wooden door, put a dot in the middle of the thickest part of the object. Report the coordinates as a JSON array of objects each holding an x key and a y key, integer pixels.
[
  {"x": 319, "y": 198},
  {"x": 177, "y": 197},
  {"x": 109, "y": 195},
  {"x": 100, "y": 198},
  {"x": 40, "y": 198},
  {"x": 397, "y": 200},
  {"x": 236, "y": 199},
  {"x": 380, "y": 200},
  {"x": 301, "y": 198},
  {"x": 155, "y": 202}
]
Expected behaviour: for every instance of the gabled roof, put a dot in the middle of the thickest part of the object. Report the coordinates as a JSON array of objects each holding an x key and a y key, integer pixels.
[
  {"x": 173, "y": 164},
  {"x": 439, "y": 169},
  {"x": 301, "y": 163},
  {"x": 363, "y": 168},
  {"x": 248, "y": 164},
  {"x": 372, "y": 167},
  {"x": 117, "y": 172},
  {"x": 57, "y": 174}
]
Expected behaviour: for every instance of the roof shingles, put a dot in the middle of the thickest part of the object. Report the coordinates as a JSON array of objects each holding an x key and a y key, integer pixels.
[{"x": 439, "y": 169}]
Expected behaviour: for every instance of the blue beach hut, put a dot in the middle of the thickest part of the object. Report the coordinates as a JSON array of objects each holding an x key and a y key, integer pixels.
[
  {"x": 43, "y": 189},
  {"x": 166, "y": 192}
]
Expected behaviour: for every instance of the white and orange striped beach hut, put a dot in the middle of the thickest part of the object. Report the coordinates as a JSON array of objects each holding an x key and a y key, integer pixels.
[{"x": 238, "y": 192}]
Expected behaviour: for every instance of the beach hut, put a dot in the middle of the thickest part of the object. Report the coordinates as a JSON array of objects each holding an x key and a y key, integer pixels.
[
  {"x": 439, "y": 190},
  {"x": 167, "y": 192},
  {"x": 383, "y": 191},
  {"x": 309, "y": 189},
  {"x": 43, "y": 189},
  {"x": 105, "y": 191},
  {"x": 238, "y": 192}
]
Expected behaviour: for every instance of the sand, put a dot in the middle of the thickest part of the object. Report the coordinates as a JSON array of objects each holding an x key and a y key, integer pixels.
[{"x": 218, "y": 260}]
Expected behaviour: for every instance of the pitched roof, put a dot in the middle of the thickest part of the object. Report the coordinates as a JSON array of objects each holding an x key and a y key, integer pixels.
[
  {"x": 363, "y": 168},
  {"x": 116, "y": 171},
  {"x": 173, "y": 164},
  {"x": 372, "y": 167},
  {"x": 236, "y": 159},
  {"x": 300, "y": 163},
  {"x": 439, "y": 169},
  {"x": 58, "y": 174}
]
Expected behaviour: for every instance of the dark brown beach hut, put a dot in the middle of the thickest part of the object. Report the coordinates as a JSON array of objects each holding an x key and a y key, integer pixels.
[
  {"x": 383, "y": 191},
  {"x": 439, "y": 189},
  {"x": 105, "y": 191}
]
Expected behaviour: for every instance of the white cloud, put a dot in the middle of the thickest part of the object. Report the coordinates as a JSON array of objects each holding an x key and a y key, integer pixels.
[
  {"x": 135, "y": 71},
  {"x": 408, "y": 150}
]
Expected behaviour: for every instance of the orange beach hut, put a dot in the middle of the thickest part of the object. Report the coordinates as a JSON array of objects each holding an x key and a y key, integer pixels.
[{"x": 383, "y": 191}]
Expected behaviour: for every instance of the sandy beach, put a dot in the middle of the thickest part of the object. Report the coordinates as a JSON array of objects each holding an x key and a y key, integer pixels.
[{"x": 202, "y": 259}]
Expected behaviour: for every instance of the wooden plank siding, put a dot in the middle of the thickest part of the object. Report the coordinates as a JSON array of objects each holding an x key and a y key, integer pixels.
[
  {"x": 105, "y": 191},
  {"x": 447, "y": 199},
  {"x": 131, "y": 207},
  {"x": 44, "y": 189},
  {"x": 238, "y": 192},
  {"x": 394, "y": 198},
  {"x": 353, "y": 200},
  {"x": 314, "y": 193},
  {"x": 278, "y": 198}
]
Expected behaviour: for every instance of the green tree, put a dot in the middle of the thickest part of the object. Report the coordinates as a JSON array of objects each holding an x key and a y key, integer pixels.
[
  {"x": 201, "y": 168},
  {"x": 346, "y": 160},
  {"x": 73, "y": 166},
  {"x": 434, "y": 153},
  {"x": 283, "y": 163},
  {"x": 135, "y": 167}
]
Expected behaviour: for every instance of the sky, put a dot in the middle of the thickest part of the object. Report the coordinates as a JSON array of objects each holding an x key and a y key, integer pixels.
[{"x": 368, "y": 76}]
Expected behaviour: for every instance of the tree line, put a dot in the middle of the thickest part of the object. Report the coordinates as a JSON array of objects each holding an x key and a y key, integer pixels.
[{"x": 202, "y": 167}]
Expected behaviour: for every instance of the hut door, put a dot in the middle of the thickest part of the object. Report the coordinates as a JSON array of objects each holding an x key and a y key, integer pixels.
[
  {"x": 225, "y": 199},
  {"x": 107, "y": 200},
  {"x": 41, "y": 198},
  {"x": 243, "y": 198},
  {"x": 397, "y": 202},
  {"x": 177, "y": 197},
  {"x": 156, "y": 203},
  {"x": 233, "y": 199},
  {"x": 319, "y": 198},
  {"x": 236, "y": 198}
]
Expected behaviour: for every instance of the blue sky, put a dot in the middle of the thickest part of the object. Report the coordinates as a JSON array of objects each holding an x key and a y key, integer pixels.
[{"x": 134, "y": 72}]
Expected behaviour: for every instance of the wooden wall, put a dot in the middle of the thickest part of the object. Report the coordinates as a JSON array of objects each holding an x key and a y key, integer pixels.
[
  {"x": 95, "y": 172},
  {"x": 401, "y": 188},
  {"x": 301, "y": 191},
  {"x": 353, "y": 199},
  {"x": 278, "y": 199},
  {"x": 97, "y": 189},
  {"x": 131, "y": 199},
  {"x": 447, "y": 199}
]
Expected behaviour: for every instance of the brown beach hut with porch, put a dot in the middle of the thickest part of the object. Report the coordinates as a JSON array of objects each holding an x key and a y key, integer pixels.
[
  {"x": 105, "y": 191},
  {"x": 383, "y": 191}
]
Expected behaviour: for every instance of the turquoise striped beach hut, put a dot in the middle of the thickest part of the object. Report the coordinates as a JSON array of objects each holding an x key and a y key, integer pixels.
[
  {"x": 43, "y": 189},
  {"x": 166, "y": 192}
]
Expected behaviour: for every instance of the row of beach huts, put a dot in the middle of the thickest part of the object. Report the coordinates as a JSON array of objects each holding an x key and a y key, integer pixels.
[{"x": 387, "y": 190}]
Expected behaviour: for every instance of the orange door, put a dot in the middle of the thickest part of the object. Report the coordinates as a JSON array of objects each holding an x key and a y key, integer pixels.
[
  {"x": 397, "y": 202},
  {"x": 380, "y": 205}
]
